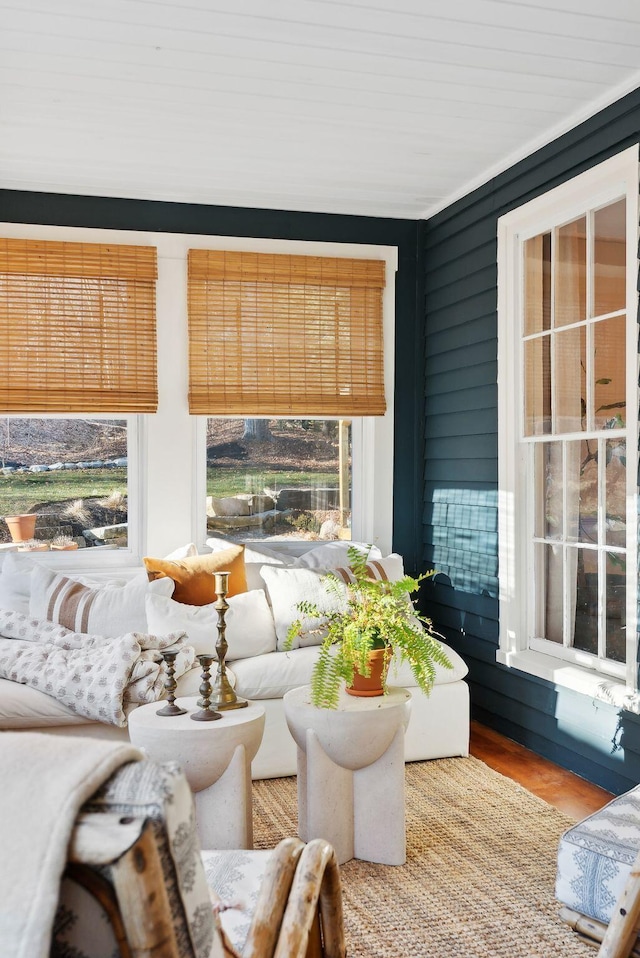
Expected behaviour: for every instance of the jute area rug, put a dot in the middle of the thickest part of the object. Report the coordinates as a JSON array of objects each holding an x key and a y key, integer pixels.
[{"x": 480, "y": 871}]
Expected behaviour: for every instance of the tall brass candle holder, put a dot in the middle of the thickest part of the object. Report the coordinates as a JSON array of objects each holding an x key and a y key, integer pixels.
[
  {"x": 223, "y": 696},
  {"x": 170, "y": 685},
  {"x": 207, "y": 713}
]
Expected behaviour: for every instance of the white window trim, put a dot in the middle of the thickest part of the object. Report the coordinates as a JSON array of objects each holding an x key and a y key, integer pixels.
[
  {"x": 170, "y": 471},
  {"x": 610, "y": 179}
]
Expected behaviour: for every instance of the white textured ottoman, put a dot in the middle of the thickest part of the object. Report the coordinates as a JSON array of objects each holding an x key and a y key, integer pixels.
[{"x": 594, "y": 860}]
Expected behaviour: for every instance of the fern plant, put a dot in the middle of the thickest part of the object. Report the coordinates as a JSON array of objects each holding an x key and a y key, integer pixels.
[{"x": 375, "y": 614}]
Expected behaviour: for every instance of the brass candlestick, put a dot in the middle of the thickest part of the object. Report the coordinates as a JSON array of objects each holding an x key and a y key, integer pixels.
[
  {"x": 223, "y": 696},
  {"x": 170, "y": 685},
  {"x": 206, "y": 713}
]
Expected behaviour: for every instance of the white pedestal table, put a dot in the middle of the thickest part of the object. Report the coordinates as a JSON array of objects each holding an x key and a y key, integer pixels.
[
  {"x": 351, "y": 773},
  {"x": 216, "y": 759}
]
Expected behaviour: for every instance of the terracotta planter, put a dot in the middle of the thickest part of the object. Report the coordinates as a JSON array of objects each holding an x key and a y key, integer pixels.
[
  {"x": 371, "y": 685},
  {"x": 67, "y": 548},
  {"x": 21, "y": 527},
  {"x": 34, "y": 546}
]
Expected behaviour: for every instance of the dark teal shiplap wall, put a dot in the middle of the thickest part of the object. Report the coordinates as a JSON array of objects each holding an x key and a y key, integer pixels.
[{"x": 461, "y": 469}]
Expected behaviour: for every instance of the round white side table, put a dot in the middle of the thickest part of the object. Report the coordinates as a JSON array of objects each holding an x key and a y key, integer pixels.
[
  {"x": 216, "y": 759},
  {"x": 351, "y": 773}
]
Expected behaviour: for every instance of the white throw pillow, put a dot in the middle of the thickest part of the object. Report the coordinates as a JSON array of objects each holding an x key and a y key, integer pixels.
[
  {"x": 249, "y": 624},
  {"x": 111, "y": 610},
  {"x": 15, "y": 583},
  {"x": 183, "y": 552},
  {"x": 255, "y": 556},
  {"x": 287, "y": 587}
]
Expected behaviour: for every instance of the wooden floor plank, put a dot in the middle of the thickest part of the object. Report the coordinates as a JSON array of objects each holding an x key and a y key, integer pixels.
[{"x": 568, "y": 792}]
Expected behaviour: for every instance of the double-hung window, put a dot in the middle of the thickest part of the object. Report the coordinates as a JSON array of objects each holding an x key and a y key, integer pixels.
[
  {"x": 568, "y": 425},
  {"x": 295, "y": 345}
]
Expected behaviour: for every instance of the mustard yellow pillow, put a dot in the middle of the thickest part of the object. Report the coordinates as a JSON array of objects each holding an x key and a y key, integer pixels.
[{"x": 193, "y": 575}]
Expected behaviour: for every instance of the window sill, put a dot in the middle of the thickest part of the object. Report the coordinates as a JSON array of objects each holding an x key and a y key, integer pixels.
[{"x": 602, "y": 688}]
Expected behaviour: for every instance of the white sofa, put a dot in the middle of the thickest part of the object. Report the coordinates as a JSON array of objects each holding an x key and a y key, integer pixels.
[{"x": 256, "y": 624}]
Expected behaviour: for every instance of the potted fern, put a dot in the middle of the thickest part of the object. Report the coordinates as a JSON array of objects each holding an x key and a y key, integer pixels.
[{"x": 375, "y": 617}]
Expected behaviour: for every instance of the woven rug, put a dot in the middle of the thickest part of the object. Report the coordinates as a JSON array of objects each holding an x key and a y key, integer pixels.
[{"x": 480, "y": 871}]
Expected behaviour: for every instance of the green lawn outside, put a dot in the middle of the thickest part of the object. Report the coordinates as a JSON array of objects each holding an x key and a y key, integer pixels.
[
  {"x": 19, "y": 492},
  {"x": 228, "y": 481}
]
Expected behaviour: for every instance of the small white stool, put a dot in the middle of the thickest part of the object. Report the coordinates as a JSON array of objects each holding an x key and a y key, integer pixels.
[
  {"x": 216, "y": 759},
  {"x": 351, "y": 773}
]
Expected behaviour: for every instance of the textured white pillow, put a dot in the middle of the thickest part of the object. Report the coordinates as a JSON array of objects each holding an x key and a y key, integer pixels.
[
  {"x": 287, "y": 587},
  {"x": 15, "y": 583},
  {"x": 254, "y": 558},
  {"x": 249, "y": 624},
  {"x": 183, "y": 552},
  {"x": 111, "y": 610}
]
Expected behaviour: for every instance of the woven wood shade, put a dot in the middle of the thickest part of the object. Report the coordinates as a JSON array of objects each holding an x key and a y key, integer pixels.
[
  {"x": 279, "y": 335},
  {"x": 78, "y": 327}
]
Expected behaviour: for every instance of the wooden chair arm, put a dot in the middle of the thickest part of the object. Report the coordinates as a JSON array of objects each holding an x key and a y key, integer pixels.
[
  {"x": 272, "y": 899},
  {"x": 316, "y": 892}
]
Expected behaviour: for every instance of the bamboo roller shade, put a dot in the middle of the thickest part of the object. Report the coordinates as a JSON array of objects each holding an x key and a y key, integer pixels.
[
  {"x": 78, "y": 324},
  {"x": 279, "y": 335}
]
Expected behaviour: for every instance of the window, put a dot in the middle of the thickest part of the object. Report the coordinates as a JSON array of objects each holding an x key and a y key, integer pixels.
[
  {"x": 568, "y": 348},
  {"x": 79, "y": 336},
  {"x": 71, "y": 475},
  {"x": 293, "y": 336}
]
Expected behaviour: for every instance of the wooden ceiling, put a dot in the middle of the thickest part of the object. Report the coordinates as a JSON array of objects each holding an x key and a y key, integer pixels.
[{"x": 376, "y": 107}]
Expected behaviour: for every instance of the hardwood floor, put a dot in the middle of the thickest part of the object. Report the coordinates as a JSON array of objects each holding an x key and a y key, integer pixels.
[{"x": 568, "y": 792}]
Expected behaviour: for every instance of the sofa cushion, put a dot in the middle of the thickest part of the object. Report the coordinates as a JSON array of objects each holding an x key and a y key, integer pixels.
[
  {"x": 24, "y": 707},
  {"x": 288, "y": 587},
  {"x": 270, "y": 676},
  {"x": 330, "y": 555},
  {"x": 194, "y": 575},
  {"x": 111, "y": 610},
  {"x": 249, "y": 623},
  {"x": 400, "y": 672}
]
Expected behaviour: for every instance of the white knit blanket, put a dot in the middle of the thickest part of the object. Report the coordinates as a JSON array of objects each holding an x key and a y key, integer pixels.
[
  {"x": 93, "y": 675},
  {"x": 46, "y": 779}
]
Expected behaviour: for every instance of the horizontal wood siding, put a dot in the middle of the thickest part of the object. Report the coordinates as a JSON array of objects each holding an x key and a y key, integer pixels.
[{"x": 461, "y": 469}]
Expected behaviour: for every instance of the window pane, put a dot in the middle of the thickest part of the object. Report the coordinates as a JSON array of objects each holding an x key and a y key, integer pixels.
[
  {"x": 279, "y": 478},
  {"x": 582, "y": 491},
  {"x": 610, "y": 251},
  {"x": 585, "y": 604},
  {"x": 537, "y": 367},
  {"x": 537, "y": 273},
  {"x": 616, "y": 599},
  {"x": 72, "y": 473},
  {"x": 554, "y": 579},
  {"x": 551, "y": 527},
  {"x": 570, "y": 299},
  {"x": 609, "y": 341},
  {"x": 616, "y": 493},
  {"x": 570, "y": 380}
]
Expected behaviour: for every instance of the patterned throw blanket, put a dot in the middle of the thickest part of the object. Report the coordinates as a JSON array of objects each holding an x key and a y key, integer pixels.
[{"x": 93, "y": 675}]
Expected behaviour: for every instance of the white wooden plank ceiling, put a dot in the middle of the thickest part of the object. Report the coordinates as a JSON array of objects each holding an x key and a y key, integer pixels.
[{"x": 376, "y": 107}]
